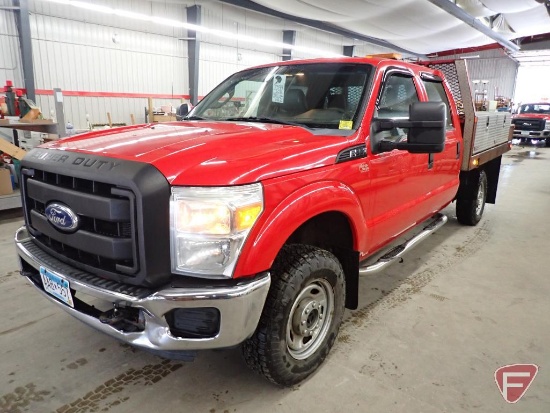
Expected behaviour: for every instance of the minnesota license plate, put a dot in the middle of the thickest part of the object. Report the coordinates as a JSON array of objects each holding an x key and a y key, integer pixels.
[{"x": 56, "y": 286}]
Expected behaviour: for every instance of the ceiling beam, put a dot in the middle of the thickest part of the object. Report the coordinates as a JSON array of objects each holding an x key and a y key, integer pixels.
[
  {"x": 470, "y": 20},
  {"x": 316, "y": 24}
]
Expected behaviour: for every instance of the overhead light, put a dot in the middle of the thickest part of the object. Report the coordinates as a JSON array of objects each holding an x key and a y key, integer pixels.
[
  {"x": 200, "y": 29},
  {"x": 91, "y": 6}
]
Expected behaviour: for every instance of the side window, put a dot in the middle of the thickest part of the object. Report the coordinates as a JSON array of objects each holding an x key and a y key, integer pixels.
[
  {"x": 436, "y": 93},
  {"x": 397, "y": 94}
]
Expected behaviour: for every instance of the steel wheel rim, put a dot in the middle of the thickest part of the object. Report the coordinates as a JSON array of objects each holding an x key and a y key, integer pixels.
[
  {"x": 309, "y": 319},
  {"x": 480, "y": 198}
]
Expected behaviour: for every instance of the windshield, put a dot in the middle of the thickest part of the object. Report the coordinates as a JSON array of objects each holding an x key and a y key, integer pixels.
[
  {"x": 542, "y": 108},
  {"x": 319, "y": 95}
]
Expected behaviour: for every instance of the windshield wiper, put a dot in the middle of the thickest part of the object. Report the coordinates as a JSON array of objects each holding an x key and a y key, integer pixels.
[
  {"x": 265, "y": 120},
  {"x": 193, "y": 118}
]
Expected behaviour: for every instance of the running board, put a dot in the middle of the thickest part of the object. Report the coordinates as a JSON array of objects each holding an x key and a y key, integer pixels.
[{"x": 399, "y": 250}]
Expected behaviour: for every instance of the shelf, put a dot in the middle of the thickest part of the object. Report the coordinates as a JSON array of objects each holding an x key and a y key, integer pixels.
[{"x": 34, "y": 126}]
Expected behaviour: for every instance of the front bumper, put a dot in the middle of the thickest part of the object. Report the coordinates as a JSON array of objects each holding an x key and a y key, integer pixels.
[
  {"x": 538, "y": 134},
  {"x": 240, "y": 305}
]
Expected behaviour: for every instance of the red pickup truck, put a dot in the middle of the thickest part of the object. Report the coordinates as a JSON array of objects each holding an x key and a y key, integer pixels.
[
  {"x": 532, "y": 121},
  {"x": 250, "y": 221}
]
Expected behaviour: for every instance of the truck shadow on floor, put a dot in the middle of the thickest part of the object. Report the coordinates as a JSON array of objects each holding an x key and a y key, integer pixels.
[
  {"x": 11, "y": 215},
  {"x": 396, "y": 284}
]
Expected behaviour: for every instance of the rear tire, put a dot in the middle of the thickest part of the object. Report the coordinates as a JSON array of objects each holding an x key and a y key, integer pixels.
[
  {"x": 301, "y": 316},
  {"x": 469, "y": 211}
]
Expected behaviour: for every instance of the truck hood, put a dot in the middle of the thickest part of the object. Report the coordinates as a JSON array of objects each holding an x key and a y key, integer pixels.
[
  {"x": 212, "y": 153},
  {"x": 532, "y": 116}
]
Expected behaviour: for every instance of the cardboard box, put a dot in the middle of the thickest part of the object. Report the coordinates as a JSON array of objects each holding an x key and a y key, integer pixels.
[
  {"x": 5, "y": 182},
  {"x": 164, "y": 118},
  {"x": 11, "y": 149}
]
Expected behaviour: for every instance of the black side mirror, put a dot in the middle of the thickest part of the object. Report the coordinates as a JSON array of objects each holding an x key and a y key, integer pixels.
[{"x": 427, "y": 124}]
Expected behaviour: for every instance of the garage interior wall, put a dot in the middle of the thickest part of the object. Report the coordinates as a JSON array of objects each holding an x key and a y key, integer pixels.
[
  {"x": 10, "y": 56},
  {"x": 105, "y": 63},
  {"x": 317, "y": 39},
  {"x": 220, "y": 57}
]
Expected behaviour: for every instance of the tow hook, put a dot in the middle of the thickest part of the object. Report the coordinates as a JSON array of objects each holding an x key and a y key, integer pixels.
[
  {"x": 113, "y": 316},
  {"x": 123, "y": 318}
]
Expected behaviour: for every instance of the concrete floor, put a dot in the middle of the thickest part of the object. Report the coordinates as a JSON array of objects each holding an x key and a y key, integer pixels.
[{"x": 428, "y": 336}]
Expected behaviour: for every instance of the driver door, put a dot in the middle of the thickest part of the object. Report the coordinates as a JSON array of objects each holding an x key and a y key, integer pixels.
[{"x": 397, "y": 176}]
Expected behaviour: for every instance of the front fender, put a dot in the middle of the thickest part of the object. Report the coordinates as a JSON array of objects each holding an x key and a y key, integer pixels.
[{"x": 276, "y": 226}]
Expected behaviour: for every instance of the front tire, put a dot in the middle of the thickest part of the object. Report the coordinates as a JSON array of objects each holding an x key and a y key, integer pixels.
[
  {"x": 301, "y": 316},
  {"x": 469, "y": 211}
]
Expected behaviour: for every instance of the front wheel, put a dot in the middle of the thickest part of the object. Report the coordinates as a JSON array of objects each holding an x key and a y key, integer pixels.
[
  {"x": 548, "y": 142},
  {"x": 301, "y": 316},
  {"x": 469, "y": 211}
]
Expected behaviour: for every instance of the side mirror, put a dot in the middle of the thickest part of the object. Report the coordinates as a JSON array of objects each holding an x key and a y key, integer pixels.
[{"x": 427, "y": 124}]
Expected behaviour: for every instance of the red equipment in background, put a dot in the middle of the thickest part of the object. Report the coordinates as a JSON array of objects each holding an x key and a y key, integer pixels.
[{"x": 10, "y": 102}]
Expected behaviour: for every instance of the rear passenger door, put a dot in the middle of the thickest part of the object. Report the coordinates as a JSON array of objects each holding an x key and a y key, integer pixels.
[{"x": 443, "y": 173}]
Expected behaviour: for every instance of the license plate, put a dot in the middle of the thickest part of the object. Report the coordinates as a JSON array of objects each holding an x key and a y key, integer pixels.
[
  {"x": 525, "y": 133},
  {"x": 56, "y": 286}
]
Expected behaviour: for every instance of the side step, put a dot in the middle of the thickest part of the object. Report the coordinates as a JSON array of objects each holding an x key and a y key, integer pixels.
[{"x": 399, "y": 250}]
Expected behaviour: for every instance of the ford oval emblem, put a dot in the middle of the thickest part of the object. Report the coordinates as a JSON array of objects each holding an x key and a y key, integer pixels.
[{"x": 62, "y": 217}]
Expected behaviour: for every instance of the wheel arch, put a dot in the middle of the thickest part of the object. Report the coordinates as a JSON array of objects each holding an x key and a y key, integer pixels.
[
  {"x": 332, "y": 231},
  {"x": 324, "y": 214}
]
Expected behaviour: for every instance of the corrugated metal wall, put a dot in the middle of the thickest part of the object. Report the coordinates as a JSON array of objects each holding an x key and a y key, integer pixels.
[
  {"x": 80, "y": 51},
  {"x": 10, "y": 57},
  {"x": 317, "y": 39},
  {"x": 496, "y": 67},
  {"x": 220, "y": 57}
]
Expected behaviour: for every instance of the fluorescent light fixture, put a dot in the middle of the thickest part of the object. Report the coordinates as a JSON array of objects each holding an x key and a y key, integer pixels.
[
  {"x": 91, "y": 6},
  {"x": 200, "y": 29}
]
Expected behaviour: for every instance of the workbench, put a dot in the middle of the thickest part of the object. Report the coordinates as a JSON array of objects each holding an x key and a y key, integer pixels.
[{"x": 44, "y": 126}]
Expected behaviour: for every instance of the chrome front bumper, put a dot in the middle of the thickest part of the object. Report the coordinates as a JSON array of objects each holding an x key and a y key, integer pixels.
[
  {"x": 539, "y": 134},
  {"x": 240, "y": 305}
]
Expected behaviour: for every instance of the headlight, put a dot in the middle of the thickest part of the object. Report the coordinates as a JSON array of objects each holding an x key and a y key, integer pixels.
[
  {"x": 208, "y": 226},
  {"x": 547, "y": 125}
]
